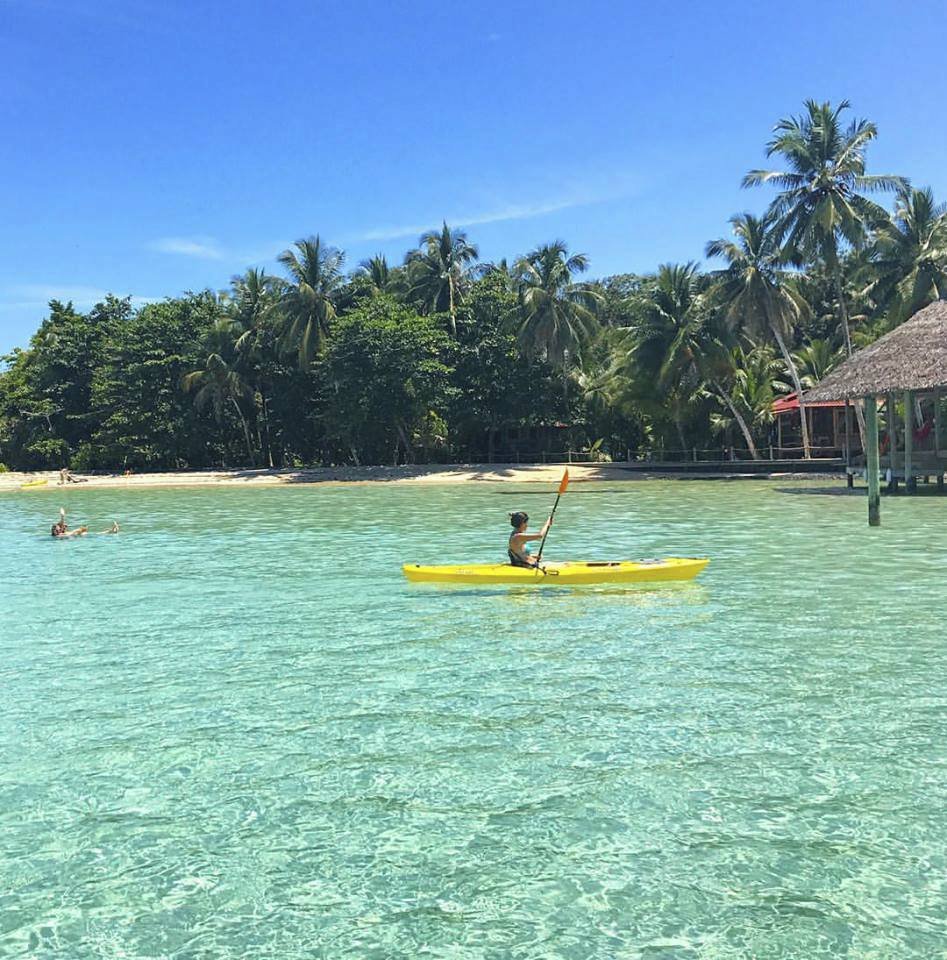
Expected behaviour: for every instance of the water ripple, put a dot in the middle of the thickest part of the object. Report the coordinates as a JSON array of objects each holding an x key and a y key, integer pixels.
[{"x": 235, "y": 731}]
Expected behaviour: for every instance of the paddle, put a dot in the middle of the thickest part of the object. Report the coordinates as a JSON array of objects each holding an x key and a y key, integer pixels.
[{"x": 563, "y": 484}]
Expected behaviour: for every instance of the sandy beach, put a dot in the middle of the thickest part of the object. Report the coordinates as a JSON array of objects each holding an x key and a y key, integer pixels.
[{"x": 454, "y": 473}]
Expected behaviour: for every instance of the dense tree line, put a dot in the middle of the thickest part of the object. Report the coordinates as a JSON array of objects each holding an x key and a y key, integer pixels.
[{"x": 437, "y": 357}]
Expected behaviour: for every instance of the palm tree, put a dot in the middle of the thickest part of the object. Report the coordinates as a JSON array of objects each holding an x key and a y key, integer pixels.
[
  {"x": 307, "y": 303},
  {"x": 380, "y": 277},
  {"x": 756, "y": 295},
  {"x": 909, "y": 255},
  {"x": 679, "y": 343},
  {"x": 219, "y": 383},
  {"x": 438, "y": 270},
  {"x": 756, "y": 381},
  {"x": 558, "y": 315},
  {"x": 816, "y": 359},
  {"x": 820, "y": 206},
  {"x": 254, "y": 300}
]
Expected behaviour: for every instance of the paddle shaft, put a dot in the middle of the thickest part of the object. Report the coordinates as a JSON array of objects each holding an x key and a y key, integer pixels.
[{"x": 542, "y": 546}]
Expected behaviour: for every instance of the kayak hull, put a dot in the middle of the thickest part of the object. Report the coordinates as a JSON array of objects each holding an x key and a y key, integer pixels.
[{"x": 561, "y": 574}]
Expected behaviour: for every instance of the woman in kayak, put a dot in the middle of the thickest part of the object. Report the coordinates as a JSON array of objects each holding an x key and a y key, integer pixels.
[{"x": 517, "y": 548}]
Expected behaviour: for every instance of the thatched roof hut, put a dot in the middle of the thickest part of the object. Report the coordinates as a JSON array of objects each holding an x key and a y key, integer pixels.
[{"x": 910, "y": 357}]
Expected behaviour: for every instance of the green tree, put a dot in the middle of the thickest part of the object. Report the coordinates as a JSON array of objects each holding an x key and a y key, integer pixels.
[
  {"x": 387, "y": 376},
  {"x": 46, "y": 399},
  {"x": 218, "y": 383},
  {"x": 496, "y": 385},
  {"x": 815, "y": 360},
  {"x": 439, "y": 271},
  {"x": 145, "y": 418},
  {"x": 909, "y": 255},
  {"x": 558, "y": 315},
  {"x": 380, "y": 278},
  {"x": 821, "y": 204},
  {"x": 656, "y": 369},
  {"x": 307, "y": 302},
  {"x": 756, "y": 295},
  {"x": 253, "y": 307},
  {"x": 754, "y": 388}
]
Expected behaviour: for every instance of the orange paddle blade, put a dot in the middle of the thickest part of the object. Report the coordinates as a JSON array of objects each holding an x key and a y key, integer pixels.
[{"x": 564, "y": 482}]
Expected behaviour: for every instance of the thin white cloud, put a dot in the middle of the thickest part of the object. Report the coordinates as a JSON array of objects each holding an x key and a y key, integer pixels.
[
  {"x": 202, "y": 248},
  {"x": 38, "y": 295},
  {"x": 516, "y": 211}
]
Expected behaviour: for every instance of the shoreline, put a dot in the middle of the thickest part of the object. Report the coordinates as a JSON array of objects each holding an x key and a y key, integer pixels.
[{"x": 407, "y": 474}]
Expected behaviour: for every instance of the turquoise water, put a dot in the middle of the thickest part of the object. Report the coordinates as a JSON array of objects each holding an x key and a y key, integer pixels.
[{"x": 235, "y": 731}]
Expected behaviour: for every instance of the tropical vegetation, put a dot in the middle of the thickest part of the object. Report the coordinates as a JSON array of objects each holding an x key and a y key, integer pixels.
[{"x": 444, "y": 357}]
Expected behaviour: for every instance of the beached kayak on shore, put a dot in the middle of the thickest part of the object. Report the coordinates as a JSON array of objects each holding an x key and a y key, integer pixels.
[{"x": 570, "y": 572}]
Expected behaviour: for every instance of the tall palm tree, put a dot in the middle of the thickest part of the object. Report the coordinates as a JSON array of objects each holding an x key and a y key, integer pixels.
[
  {"x": 558, "y": 315},
  {"x": 438, "y": 271},
  {"x": 909, "y": 255},
  {"x": 219, "y": 382},
  {"x": 757, "y": 296},
  {"x": 307, "y": 303},
  {"x": 254, "y": 300},
  {"x": 821, "y": 206},
  {"x": 680, "y": 343},
  {"x": 381, "y": 277}
]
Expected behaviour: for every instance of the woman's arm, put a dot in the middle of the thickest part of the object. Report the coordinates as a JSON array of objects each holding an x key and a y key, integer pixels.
[{"x": 535, "y": 536}]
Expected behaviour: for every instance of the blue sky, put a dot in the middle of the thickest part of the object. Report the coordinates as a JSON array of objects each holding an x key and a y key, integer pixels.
[{"x": 154, "y": 146}]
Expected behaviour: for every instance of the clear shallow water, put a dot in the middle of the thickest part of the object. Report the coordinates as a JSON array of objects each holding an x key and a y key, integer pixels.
[{"x": 235, "y": 731}]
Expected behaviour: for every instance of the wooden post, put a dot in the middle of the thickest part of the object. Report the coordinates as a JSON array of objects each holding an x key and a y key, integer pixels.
[
  {"x": 779, "y": 435},
  {"x": 892, "y": 412},
  {"x": 910, "y": 485},
  {"x": 874, "y": 491},
  {"x": 937, "y": 423},
  {"x": 848, "y": 435}
]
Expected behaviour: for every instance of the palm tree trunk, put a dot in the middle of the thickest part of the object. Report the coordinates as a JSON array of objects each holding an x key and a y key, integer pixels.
[
  {"x": 794, "y": 373},
  {"x": 266, "y": 432},
  {"x": 405, "y": 442},
  {"x": 843, "y": 312},
  {"x": 246, "y": 431},
  {"x": 680, "y": 435},
  {"x": 453, "y": 310},
  {"x": 843, "y": 308},
  {"x": 732, "y": 407}
]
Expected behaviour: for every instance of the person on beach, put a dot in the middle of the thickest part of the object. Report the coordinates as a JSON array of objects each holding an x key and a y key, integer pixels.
[
  {"x": 65, "y": 476},
  {"x": 517, "y": 549}
]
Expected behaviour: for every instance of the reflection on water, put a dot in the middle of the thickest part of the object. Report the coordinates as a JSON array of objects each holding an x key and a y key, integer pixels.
[{"x": 235, "y": 730}]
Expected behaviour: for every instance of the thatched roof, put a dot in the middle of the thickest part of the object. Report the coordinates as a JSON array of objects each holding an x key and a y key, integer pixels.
[{"x": 910, "y": 357}]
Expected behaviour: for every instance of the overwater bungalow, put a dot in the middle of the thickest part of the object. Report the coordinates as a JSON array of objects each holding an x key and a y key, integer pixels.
[{"x": 903, "y": 374}]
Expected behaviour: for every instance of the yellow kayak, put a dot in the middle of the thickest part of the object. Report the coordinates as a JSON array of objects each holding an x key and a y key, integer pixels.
[
  {"x": 562, "y": 574},
  {"x": 34, "y": 483}
]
